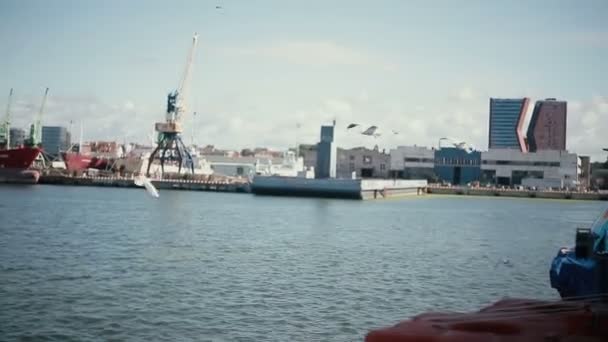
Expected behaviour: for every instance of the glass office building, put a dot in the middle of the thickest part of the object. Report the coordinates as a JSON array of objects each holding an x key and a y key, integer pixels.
[{"x": 506, "y": 123}]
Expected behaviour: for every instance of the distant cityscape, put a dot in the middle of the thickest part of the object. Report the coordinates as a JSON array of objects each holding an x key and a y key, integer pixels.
[{"x": 534, "y": 156}]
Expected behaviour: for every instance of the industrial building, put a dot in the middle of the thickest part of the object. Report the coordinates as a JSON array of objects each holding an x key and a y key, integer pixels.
[
  {"x": 412, "y": 162},
  {"x": 363, "y": 162},
  {"x": 556, "y": 169},
  {"x": 17, "y": 136},
  {"x": 507, "y": 118},
  {"x": 55, "y": 139},
  {"x": 584, "y": 176},
  {"x": 457, "y": 166},
  {"x": 547, "y": 129}
]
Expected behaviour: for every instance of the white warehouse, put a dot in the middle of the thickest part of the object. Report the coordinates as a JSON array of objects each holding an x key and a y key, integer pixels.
[{"x": 546, "y": 168}]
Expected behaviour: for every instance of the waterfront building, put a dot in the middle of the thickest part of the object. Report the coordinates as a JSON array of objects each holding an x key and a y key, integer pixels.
[
  {"x": 585, "y": 172},
  {"x": 17, "y": 136},
  {"x": 285, "y": 165},
  {"x": 309, "y": 153},
  {"x": 236, "y": 166},
  {"x": 457, "y": 166},
  {"x": 412, "y": 162},
  {"x": 507, "y": 118},
  {"x": 547, "y": 129},
  {"x": 363, "y": 162},
  {"x": 55, "y": 139},
  {"x": 511, "y": 167},
  {"x": 326, "y": 154}
]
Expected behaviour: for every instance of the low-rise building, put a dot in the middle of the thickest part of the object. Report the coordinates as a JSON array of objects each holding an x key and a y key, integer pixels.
[
  {"x": 309, "y": 153},
  {"x": 457, "y": 166},
  {"x": 412, "y": 162},
  {"x": 364, "y": 162},
  {"x": 510, "y": 167}
]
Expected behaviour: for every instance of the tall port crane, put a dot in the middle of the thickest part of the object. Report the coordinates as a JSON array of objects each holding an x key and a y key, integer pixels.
[
  {"x": 170, "y": 146},
  {"x": 5, "y": 127},
  {"x": 35, "y": 138}
]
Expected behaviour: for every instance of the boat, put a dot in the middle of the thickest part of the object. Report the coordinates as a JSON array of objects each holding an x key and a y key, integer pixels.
[
  {"x": 16, "y": 165},
  {"x": 579, "y": 274},
  {"x": 79, "y": 162}
]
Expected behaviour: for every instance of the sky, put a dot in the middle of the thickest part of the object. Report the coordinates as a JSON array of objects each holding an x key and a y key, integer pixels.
[{"x": 269, "y": 73}]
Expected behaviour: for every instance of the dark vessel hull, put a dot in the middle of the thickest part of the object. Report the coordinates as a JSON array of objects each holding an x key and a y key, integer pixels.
[{"x": 15, "y": 165}]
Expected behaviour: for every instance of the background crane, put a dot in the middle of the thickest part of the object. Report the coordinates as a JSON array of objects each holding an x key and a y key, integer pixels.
[
  {"x": 35, "y": 138},
  {"x": 170, "y": 146},
  {"x": 5, "y": 127}
]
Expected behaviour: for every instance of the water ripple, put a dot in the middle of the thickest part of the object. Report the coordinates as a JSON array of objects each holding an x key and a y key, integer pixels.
[{"x": 222, "y": 267}]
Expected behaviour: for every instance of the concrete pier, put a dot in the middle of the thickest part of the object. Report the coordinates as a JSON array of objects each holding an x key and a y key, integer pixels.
[
  {"x": 336, "y": 188},
  {"x": 575, "y": 195},
  {"x": 161, "y": 184}
]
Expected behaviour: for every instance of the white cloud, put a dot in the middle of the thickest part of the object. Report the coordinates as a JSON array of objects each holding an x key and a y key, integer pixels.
[
  {"x": 316, "y": 53},
  {"x": 239, "y": 122},
  {"x": 588, "y": 127},
  {"x": 101, "y": 121},
  {"x": 465, "y": 94}
]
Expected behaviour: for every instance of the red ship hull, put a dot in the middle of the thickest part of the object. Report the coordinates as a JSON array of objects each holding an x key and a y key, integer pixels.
[
  {"x": 509, "y": 320},
  {"x": 79, "y": 162},
  {"x": 15, "y": 165}
]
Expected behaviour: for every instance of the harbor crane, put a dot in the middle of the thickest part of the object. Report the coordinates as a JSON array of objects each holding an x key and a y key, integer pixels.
[
  {"x": 170, "y": 147},
  {"x": 5, "y": 127},
  {"x": 35, "y": 138}
]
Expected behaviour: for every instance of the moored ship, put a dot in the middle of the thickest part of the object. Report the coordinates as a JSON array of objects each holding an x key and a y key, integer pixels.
[
  {"x": 79, "y": 162},
  {"x": 16, "y": 163}
]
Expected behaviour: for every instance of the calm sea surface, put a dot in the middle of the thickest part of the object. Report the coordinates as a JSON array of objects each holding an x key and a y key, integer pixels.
[{"x": 81, "y": 263}]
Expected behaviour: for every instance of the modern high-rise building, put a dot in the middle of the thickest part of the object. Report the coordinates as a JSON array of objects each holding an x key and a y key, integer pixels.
[
  {"x": 547, "y": 129},
  {"x": 55, "y": 139},
  {"x": 17, "y": 137},
  {"x": 507, "y": 118}
]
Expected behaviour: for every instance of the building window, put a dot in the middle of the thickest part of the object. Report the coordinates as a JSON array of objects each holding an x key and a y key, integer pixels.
[
  {"x": 367, "y": 159},
  {"x": 352, "y": 157},
  {"x": 382, "y": 167},
  {"x": 352, "y": 167},
  {"x": 239, "y": 170}
]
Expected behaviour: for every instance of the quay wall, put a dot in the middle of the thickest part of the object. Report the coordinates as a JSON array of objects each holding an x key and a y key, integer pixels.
[
  {"x": 455, "y": 190},
  {"x": 161, "y": 184}
]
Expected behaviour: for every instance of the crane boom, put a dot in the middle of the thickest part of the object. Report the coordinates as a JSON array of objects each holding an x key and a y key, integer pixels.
[
  {"x": 186, "y": 75},
  {"x": 5, "y": 127},
  {"x": 176, "y": 101}
]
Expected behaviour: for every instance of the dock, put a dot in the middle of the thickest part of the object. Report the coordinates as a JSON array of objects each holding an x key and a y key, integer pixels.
[
  {"x": 161, "y": 184},
  {"x": 497, "y": 192},
  {"x": 358, "y": 189}
]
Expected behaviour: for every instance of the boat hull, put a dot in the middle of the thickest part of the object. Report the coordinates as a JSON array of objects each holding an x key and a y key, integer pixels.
[
  {"x": 508, "y": 320},
  {"x": 15, "y": 165},
  {"x": 19, "y": 176},
  {"x": 79, "y": 162}
]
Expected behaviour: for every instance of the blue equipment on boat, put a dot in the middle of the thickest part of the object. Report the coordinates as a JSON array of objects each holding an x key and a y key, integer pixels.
[{"x": 583, "y": 271}]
